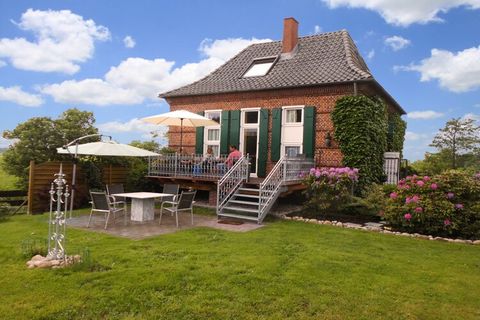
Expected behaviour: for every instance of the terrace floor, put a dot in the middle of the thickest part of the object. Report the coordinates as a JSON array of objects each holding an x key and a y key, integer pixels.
[{"x": 141, "y": 230}]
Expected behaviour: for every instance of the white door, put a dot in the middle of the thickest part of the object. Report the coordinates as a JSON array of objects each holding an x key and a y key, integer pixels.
[{"x": 249, "y": 137}]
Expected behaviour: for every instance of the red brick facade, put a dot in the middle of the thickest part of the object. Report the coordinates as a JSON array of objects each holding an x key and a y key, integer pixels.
[{"x": 322, "y": 97}]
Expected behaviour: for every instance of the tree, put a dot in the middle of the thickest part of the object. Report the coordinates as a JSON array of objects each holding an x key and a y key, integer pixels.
[
  {"x": 458, "y": 136},
  {"x": 38, "y": 138},
  {"x": 73, "y": 124}
]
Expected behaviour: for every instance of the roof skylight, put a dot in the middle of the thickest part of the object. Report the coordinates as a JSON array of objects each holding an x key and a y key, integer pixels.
[{"x": 259, "y": 67}]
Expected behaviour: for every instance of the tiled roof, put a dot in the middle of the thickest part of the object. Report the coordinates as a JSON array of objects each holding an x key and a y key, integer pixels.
[{"x": 319, "y": 59}]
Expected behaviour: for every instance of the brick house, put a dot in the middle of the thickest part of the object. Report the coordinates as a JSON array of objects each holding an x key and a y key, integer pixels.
[{"x": 275, "y": 98}]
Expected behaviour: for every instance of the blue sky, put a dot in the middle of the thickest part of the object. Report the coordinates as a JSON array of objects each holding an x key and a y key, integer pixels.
[{"x": 60, "y": 54}]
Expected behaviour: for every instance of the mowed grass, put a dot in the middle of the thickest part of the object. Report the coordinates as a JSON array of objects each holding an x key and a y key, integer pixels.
[
  {"x": 7, "y": 182},
  {"x": 286, "y": 270}
]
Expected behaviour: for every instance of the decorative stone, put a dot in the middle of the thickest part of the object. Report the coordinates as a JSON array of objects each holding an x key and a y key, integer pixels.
[
  {"x": 476, "y": 242},
  {"x": 37, "y": 258},
  {"x": 327, "y": 222},
  {"x": 373, "y": 225},
  {"x": 352, "y": 225}
]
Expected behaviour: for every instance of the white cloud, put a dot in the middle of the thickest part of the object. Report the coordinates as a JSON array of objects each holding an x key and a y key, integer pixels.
[
  {"x": 455, "y": 71},
  {"x": 225, "y": 49},
  {"x": 62, "y": 41},
  {"x": 90, "y": 91},
  {"x": 129, "y": 42},
  {"x": 371, "y": 54},
  {"x": 424, "y": 115},
  {"x": 472, "y": 116},
  {"x": 2, "y": 63},
  {"x": 477, "y": 105},
  {"x": 17, "y": 95},
  {"x": 397, "y": 42},
  {"x": 135, "y": 80},
  {"x": 406, "y": 12},
  {"x": 413, "y": 136},
  {"x": 317, "y": 29},
  {"x": 133, "y": 125}
]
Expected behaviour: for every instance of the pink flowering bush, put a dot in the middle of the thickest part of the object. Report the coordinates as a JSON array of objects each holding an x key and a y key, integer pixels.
[
  {"x": 446, "y": 205},
  {"x": 329, "y": 189}
]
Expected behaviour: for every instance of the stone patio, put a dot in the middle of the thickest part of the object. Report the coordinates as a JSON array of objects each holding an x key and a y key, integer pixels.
[{"x": 141, "y": 230}]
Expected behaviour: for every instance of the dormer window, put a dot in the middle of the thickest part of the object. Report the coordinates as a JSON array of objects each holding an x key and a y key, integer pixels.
[{"x": 260, "y": 67}]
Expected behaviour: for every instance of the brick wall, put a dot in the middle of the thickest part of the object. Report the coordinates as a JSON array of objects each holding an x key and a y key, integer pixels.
[{"x": 323, "y": 98}]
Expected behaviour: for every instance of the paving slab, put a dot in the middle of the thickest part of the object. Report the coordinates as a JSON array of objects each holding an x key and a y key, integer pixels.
[{"x": 141, "y": 230}]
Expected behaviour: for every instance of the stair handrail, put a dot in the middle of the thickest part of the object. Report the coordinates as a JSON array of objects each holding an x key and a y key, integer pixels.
[
  {"x": 231, "y": 181},
  {"x": 270, "y": 187},
  {"x": 286, "y": 169}
]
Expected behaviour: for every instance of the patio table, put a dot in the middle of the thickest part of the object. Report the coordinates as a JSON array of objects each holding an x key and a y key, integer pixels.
[{"x": 143, "y": 204}]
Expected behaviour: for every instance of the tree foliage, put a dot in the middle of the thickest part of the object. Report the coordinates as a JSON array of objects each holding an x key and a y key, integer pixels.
[
  {"x": 38, "y": 138},
  {"x": 396, "y": 132},
  {"x": 360, "y": 126},
  {"x": 457, "y": 137}
]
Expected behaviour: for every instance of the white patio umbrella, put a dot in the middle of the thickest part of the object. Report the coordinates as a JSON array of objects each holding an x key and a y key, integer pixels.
[
  {"x": 100, "y": 148},
  {"x": 180, "y": 118},
  {"x": 106, "y": 148}
]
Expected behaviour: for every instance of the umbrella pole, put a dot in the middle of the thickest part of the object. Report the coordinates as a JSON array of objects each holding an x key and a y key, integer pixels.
[
  {"x": 181, "y": 135},
  {"x": 74, "y": 178}
]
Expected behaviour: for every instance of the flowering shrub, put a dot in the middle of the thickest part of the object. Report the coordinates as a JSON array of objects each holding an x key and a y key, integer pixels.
[
  {"x": 446, "y": 205},
  {"x": 329, "y": 189}
]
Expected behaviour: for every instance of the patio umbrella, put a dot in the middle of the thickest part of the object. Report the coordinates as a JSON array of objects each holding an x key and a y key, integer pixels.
[
  {"x": 180, "y": 118},
  {"x": 100, "y": 148},
  {"x": 106, "y": 148}
]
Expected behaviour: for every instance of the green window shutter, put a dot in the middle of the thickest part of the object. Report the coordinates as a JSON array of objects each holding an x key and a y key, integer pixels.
[
  {"x": 224, "y": 131},
  {"x": 276, "y": 134},
  {"x": 199, "y": 138},
  {"x": 234, "y": 137},
  {"x": 262, "y": 143},
  {"x": 309, "y": 131}
]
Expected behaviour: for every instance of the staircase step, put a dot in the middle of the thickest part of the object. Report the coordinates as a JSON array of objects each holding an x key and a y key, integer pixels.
[
  {"x": 238, "y": 216},
  {"x": 251, "y": 203},
  {"x": 249, "y": 189},
  {"x": 246, "y": 195},
  {"x": 241, "y": 209}
]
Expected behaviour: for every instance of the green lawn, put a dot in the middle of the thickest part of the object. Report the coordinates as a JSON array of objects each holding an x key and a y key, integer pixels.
[
  {"x": 286, "y": 270},
  {"x": 7, "y": 182}
]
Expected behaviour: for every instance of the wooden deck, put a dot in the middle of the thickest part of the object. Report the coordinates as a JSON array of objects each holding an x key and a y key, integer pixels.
[{"x": 210, "y": 184}]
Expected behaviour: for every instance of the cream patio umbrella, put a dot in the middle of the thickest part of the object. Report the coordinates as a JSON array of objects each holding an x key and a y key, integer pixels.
[{"x": 180, "y": 118}]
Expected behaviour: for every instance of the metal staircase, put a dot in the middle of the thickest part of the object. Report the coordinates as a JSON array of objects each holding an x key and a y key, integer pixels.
[{"x": 236, "y": 199}]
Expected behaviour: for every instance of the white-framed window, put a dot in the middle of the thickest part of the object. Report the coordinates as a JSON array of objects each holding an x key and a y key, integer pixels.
[
  {"x": 293, "y": 115},
  {"x": 292, "y": 151},
  {"x": 250, "y": 116},
  {"x": 292, "y": 130},
  {"x": 211, "y": 138},
  {"x": 260, "y": 67}
]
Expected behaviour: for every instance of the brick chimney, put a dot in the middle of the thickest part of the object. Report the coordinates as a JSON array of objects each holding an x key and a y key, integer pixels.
[{"x": 290, "y": 34}]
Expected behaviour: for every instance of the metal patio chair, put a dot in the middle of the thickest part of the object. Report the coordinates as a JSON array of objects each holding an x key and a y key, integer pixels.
[
  {"x": 102, "y": 203},
  {"x": 117, "y": 188},
  {"x": 184, "y": 204}
]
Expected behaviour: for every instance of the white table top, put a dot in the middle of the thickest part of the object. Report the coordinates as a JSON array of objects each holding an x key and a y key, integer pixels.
[{"x": 142, "y": 195}]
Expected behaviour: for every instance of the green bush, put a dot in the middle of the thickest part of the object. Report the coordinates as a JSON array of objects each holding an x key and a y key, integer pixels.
[
  {"x": 360, "y": 126},
  {"x": 444, "y": 205},
  {"x": 329, "y": 190}
]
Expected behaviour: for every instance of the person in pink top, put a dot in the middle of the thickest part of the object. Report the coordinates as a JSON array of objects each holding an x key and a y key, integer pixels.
[{"x": 233, "y": 156}]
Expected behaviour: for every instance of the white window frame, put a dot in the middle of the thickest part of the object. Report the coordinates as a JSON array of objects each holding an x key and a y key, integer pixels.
[
  {"x": 243, "y": 126},
  {"x": 242, "y": 122},
  {"x": 258, "y": 62},
  {"x": 207, "y": 142},
  {"x": 292, "y": 124}
]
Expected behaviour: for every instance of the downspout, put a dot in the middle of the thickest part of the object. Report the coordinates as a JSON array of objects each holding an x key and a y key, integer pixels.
[{"x": 355, "y": 91}]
